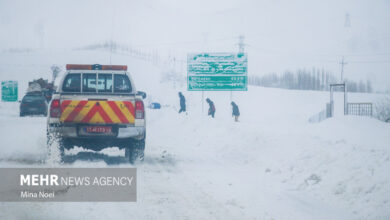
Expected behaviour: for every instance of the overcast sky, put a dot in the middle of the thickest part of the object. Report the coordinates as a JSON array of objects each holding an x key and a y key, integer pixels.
[{"x": 279, "y": 35}]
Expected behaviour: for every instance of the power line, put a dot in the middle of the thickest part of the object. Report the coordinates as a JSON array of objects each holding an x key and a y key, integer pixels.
[
  {"x": 382, "y": 61},
  {"x": 183, "y": 42},
  {"x": 354, "y": 62}
]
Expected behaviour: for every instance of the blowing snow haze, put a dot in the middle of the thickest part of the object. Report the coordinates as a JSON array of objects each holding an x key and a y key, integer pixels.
[
  {"x": 159, "y": 93},
  {"x": 279, "y": 35}
]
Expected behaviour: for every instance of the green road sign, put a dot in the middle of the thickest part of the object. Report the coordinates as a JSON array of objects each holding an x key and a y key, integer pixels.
[
  {"x": 217, "y": 71},
  {"x": 217, "y": 63},
  {"x": 214, "y": 83},
  {"x": 9, "y": 91}
]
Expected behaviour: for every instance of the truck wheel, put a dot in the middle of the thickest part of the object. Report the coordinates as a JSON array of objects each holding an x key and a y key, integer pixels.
[{"x": 135, "y": 151}]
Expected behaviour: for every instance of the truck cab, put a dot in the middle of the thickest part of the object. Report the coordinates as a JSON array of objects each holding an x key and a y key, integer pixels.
[{"x": 95, "y": 107}]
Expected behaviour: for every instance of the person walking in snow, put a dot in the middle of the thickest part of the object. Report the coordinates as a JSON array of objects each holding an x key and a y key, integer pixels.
[
  {"x": 211, "y": 107},
  {"x": 182, "y": 103},
  {"x": 235, "y": 111}
]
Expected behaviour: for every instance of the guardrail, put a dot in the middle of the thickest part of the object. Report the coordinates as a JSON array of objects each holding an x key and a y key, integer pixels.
[{"x": 362, "y": 109}]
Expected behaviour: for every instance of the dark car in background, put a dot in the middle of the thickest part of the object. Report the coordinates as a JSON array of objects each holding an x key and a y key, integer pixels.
[{"x": 33, "y": 104}]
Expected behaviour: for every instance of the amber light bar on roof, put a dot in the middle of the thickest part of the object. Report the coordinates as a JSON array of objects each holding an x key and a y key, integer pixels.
[{"x": 95, "y": 67}]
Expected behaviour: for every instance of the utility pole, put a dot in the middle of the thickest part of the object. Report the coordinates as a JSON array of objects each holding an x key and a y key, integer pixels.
[
  {"x": 241, "y": 44},
  {"x": 347, "y": 22},
  {"x": 40, "y": 34},
  {"x": 342, "y": 68}
]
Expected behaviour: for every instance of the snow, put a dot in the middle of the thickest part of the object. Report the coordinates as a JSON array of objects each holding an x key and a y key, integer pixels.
[{"x": 273, "y": 164}]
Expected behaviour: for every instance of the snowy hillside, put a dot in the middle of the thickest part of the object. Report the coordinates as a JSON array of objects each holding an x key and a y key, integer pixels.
[{"x": 273, "y": 164}]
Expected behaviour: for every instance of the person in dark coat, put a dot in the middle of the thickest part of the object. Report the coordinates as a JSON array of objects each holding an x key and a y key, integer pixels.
[
  {"x": 182, "y": 103},
  {"x": 211, "y": 107},
  {"x": 236, "y": 111}
]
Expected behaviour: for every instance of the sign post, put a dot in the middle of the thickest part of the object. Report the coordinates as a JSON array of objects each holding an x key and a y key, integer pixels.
[{"x": 9, "y": 91}]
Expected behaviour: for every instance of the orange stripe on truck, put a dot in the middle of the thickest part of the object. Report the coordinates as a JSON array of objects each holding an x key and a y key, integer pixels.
[{"x": 97, "y": 112}]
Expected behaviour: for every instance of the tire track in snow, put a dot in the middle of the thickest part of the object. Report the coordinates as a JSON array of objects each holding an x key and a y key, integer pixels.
[{"x": 178, "y": 193}]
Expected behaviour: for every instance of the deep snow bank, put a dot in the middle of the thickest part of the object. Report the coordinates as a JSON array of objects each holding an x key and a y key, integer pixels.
[{"x": 273, "y": 164}]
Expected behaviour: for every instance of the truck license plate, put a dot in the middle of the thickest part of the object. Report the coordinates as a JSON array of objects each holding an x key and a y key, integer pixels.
[{"x": 98, "y": 129}]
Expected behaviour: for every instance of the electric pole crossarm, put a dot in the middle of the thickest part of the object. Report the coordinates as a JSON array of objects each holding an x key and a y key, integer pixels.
[{"x": 342, "y": 68}]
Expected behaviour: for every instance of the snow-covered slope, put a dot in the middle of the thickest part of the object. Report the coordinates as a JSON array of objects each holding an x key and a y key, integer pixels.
[{"x": 273, "y": 164}]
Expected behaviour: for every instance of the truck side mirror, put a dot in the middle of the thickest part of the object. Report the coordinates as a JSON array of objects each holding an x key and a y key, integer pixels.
[{"x": 142, "y": 94}]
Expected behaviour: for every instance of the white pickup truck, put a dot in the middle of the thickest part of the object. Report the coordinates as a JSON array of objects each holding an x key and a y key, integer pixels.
[{"x": 97, "y": 106}]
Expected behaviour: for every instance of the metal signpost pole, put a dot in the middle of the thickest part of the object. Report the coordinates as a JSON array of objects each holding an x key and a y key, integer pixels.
[
  {"x": 345, "y": 99},
  {"x": 202, "y": 102}
]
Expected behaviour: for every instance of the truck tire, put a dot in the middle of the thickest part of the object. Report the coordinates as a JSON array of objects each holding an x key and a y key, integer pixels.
[{"x": 135, "y": 150}]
